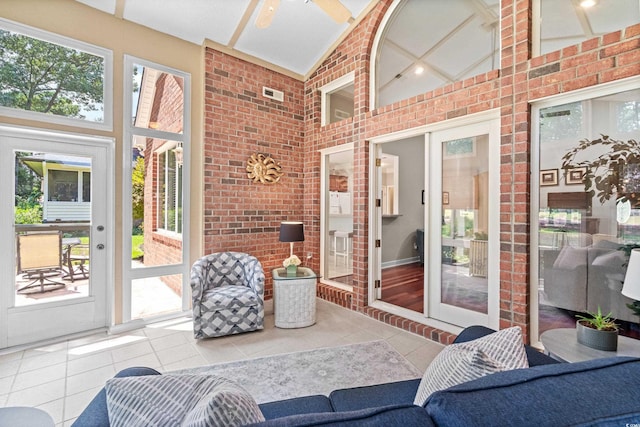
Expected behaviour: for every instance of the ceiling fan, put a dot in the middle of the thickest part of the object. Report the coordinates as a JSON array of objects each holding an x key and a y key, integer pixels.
[{"x": 334, "y": 8}]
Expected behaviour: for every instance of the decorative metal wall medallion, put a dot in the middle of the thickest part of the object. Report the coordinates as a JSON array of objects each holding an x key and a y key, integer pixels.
[{"x": 263, "y": 169}]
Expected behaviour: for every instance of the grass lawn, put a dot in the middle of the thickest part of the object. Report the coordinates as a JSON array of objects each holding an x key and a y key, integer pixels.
[{"x": 136, "y": 243}]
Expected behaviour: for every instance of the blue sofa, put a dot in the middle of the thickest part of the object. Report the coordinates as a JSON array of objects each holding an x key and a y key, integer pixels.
[{"x": 603, "y": 392}]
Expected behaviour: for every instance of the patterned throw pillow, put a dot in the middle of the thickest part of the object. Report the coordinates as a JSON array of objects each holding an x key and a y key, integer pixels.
[
  {"x": 179, "y": 400},
  {"x": 459, "y": 363}
]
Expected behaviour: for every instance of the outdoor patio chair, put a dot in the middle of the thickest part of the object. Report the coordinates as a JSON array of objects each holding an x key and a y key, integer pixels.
[
  {"x": 39, "y": 258},
  {"x": 77, "y": 262},
  {"x": 228, "y": 294}
]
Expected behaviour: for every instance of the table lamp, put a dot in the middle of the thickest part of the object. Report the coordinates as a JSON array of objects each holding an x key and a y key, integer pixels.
[
  {"x": 291, "y": 231},
  {"x": 631, "y": 287}
]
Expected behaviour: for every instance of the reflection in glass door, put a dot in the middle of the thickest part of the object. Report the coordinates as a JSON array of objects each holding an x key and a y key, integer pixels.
[{"x": 337, "y": 257}]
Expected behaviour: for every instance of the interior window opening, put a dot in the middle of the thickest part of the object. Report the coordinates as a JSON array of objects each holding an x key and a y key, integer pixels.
[{"x": 337, "y": 99}]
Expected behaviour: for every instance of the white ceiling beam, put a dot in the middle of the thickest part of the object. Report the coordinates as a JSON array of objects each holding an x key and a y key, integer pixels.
[
  {"x": 489, "y": 17},
  {"x": 119, "y": 12},
  {"x": 251, "y": 7},
  {"x": 582, "y": 19}
]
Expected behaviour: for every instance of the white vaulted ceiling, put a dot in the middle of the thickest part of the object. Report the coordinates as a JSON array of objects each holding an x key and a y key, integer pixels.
[
  {"x": 296, "y": 40},
  {"x": 301, "y": 34}
]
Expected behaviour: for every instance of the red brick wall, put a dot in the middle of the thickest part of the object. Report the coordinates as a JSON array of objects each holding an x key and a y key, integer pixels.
[
  {"x": 240, "y": 215},
  {"x": 519, "y": 79},
  {"x": 243, "y": 216}
]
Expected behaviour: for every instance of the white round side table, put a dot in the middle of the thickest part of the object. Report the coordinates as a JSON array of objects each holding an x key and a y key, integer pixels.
[{"x": 294, "y": 298}]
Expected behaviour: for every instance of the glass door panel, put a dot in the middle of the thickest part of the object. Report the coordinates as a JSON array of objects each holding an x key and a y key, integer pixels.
[
  {"x": 465, "y": 193},
  {"x": 338, "y": 224},
  {"x": 463, "y": 285},
  {"x": 59, "y": 236}
]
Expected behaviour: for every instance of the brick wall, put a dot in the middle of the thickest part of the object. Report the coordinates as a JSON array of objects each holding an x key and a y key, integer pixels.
[
  {"x": 240, "y": 215},
  {"x": 519, "y": 79},
  {"x": 244, "y": 216}
]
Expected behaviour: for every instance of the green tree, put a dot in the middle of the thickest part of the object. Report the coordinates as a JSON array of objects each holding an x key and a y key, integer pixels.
[
  {"x": 40, "y": 76},
  {"x": 28, "y": 184},
  {"x": 137, "y": 189}
]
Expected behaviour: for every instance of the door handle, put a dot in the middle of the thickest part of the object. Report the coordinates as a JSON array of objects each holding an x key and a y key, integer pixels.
[{"x": 99, "y": 246}]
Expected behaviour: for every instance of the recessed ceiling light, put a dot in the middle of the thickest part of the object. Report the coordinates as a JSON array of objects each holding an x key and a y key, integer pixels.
[
  {"x": 419, "y": 70},
  {"x": 587, "y": 3}
]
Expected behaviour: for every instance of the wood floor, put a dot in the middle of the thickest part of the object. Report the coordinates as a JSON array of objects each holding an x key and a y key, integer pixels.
[{"x": 404, "y": 286}]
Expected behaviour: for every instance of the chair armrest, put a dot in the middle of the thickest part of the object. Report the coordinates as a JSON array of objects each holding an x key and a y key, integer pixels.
[
  {"x": 198, "y": 279},
  {"x": 254, "y": 274}
]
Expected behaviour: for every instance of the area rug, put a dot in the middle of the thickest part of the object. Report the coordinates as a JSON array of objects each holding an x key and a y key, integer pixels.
[{"x": 312, "y": 372}]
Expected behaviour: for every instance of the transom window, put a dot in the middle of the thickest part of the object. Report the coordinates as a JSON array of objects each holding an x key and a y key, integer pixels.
[
  {"x": 428, "y": 44},
  {"x": 563, "y": 23},
  {"x": 51, "y": 78}
]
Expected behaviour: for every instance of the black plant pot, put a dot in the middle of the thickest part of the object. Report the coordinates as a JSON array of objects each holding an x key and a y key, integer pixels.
[{"x": 600, "y": 340}]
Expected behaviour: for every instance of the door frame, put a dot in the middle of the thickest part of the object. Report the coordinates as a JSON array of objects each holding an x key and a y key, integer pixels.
[
  {"x": 375, "y": 219},
  {"x": 105, "y": 143}
]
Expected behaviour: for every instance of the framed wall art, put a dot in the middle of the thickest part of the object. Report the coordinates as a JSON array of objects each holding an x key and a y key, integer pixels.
[
  {"x": 575, "y": 175},
  {"x": 548, "y": 177}
]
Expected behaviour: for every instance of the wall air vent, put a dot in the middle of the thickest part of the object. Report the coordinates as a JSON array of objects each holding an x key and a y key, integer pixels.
[{"x": 276, "y": 95}]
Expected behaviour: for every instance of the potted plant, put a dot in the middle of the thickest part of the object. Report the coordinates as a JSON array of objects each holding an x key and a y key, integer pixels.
[
  {"x": 616, "y": 171},
  {"x": 597, "y": 331},
  {"x": 291, "y": 264}
]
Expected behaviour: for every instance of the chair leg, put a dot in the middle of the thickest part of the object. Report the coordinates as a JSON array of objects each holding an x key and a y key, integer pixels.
[{"x": 42, "y": 279}]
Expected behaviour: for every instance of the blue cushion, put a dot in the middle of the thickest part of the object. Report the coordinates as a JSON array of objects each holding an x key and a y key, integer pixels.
[
  {"x": 589, "y": 393},
  {"x": 396, "y": 393},
  {"x": 298, "y": 405},
  {"x": 403, "y": 415}
]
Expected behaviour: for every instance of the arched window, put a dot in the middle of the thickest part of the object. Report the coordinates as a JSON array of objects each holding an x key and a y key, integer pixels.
[{"x": 424, "y": 45}]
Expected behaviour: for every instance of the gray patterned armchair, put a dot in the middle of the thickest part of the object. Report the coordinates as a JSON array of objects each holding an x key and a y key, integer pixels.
[{"x": 228, "y": 294}]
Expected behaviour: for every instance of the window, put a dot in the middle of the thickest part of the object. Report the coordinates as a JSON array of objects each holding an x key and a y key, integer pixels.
[
  {"x": 337, "y": 100},
  {"x": 169, "y": 190},
  {"x": 63, "y": 186},
  {"x": 424, "y": 45},
  {"x": 563, "y": 23},
  {"x": 155, "y": 205},
  {"x": 583, "y": 239},
  {"x": 54, "y": 79}
]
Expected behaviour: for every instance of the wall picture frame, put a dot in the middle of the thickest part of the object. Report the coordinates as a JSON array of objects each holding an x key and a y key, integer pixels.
[
  {"x": 548, "y": 177},
  {"x": 445, "y": 197},
  {"x": 575, "y": 176}
]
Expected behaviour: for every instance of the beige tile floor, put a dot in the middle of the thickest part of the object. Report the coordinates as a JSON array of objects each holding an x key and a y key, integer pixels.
[{"x": 63, "y": 378}]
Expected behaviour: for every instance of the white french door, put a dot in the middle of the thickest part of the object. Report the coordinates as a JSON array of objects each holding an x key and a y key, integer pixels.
[
  {"x": 461, "y": 281},
  {"x": 57, "y": 188},
  {"x": 449, "y": 210}
]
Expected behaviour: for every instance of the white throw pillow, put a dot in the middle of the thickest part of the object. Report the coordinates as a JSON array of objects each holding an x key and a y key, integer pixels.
[
  {"x": 179, "y": 400},
  {"x": 459, "y": 363}
]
